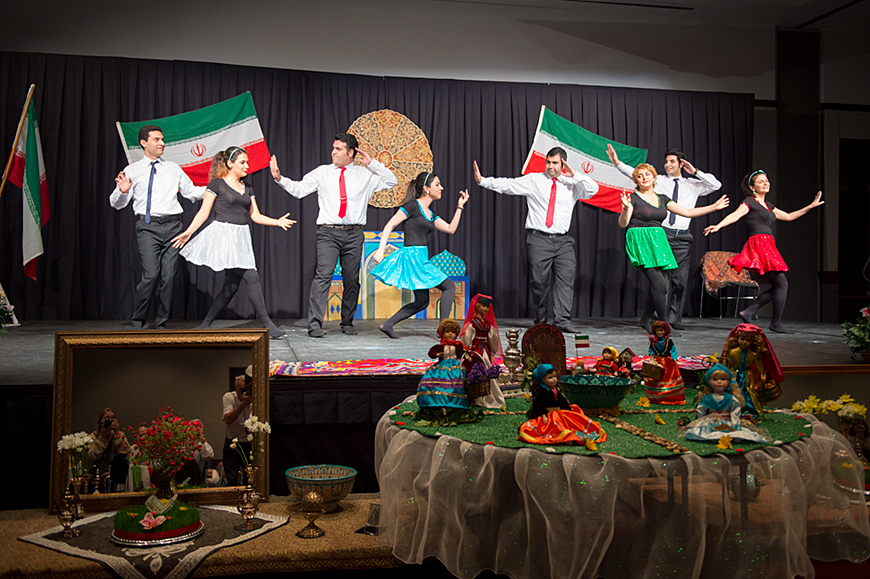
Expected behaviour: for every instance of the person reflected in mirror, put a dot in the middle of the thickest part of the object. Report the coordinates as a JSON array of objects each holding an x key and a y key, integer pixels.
[
  {"x": 107, "y": 453},
  {"x": 237, "y": 409}
]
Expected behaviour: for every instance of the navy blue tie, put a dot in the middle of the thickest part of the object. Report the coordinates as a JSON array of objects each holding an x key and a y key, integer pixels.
[
  {"x": 150, "y": 185},
  {"x": 672, "y": 218}
]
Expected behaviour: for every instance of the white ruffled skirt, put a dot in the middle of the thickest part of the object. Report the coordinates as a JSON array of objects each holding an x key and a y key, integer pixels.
[{"x": 221, "y": 246}]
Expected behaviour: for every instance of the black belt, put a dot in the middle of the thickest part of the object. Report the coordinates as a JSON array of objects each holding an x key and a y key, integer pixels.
[
  {"x": 160, "y": 218},
  {"x": 543, "y": 234},
  {"x": 343, "y": 227}
]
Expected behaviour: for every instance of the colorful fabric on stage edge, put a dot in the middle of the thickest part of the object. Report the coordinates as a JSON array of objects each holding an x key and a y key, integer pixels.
[{"x": 386, "y": 366}]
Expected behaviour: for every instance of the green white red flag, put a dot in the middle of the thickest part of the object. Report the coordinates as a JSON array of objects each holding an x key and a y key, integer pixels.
[
  {"x": 192, "y": 139},
  {"x": 27, "y": 171},
  {"x": 587, "y": 154}
]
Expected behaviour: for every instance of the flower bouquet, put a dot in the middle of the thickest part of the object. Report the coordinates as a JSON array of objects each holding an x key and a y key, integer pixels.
[
  {"x": 255, "y": 428},
  {"x": 77, "y": 444},
  {"x": 857, "y": 335},
  {"x": 844, "y": 408},
  {"x": 167, "y": 443}
]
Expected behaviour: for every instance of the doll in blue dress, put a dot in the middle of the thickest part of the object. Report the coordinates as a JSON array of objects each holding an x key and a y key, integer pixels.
[{"x": 719, "y": 411}]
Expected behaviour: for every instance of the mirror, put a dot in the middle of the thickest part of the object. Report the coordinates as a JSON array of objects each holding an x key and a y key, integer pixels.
[{"x": 138, "y": 372}]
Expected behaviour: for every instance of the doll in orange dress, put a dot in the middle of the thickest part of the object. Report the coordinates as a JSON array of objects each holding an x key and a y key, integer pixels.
[{"x": 552, "y": 420}]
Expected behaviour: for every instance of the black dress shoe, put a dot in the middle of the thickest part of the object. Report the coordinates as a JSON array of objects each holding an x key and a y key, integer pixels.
[
  {"x": 318, "y": 333},
  {"x": 160, "y": 327},
  {"x": 677, "y": 327},
  {"x": 567, "y": 329},
  {"x": 349, "y": 330}
]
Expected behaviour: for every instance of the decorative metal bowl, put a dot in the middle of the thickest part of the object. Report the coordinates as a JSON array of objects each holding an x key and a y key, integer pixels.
[
  {"x": 331, "y": 482},
  {"x": 593, "y": 391}
]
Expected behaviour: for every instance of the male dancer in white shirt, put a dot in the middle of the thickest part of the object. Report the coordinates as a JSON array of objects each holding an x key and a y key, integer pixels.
[
  {"x": 684, "y": 191},
  {"x": 155, "y": 185},
  {"x": 550, "y": 197},
  {"x": 343, "y": 193}
]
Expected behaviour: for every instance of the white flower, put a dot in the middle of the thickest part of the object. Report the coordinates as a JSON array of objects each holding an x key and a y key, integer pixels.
[
  {"x": 232, "y": 444},
  {"x": 250, "y": 437},
  {"x": 74, "y": 442}
]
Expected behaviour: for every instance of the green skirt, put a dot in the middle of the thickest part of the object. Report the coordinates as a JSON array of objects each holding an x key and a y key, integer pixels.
[{"x": 648, "y": 247}]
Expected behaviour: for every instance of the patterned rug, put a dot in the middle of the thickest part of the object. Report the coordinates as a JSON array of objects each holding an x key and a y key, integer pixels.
[
  {"x": 386, "y": 366},
  {"x": 162, "y": 562}
]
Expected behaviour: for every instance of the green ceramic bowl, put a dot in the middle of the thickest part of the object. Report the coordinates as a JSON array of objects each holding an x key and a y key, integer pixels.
[{"x": 592, "y": 391}]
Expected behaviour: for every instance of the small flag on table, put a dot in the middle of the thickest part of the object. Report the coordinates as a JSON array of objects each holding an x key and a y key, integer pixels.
[{"x": 581, "y": 341}]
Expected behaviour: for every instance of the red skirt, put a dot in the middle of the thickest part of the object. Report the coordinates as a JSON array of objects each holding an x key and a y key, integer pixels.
[
  {"x": 668, "y": 389},
  {"x": 759, "y": 253}
]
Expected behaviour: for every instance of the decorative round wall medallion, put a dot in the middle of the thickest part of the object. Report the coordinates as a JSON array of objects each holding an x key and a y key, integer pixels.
[{"x": 394, "y": 140}]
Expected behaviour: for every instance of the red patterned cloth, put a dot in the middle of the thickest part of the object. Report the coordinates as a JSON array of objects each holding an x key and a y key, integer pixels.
[
  {"x": 760, "y": 254},
  {"x": 717, "y": 272}
]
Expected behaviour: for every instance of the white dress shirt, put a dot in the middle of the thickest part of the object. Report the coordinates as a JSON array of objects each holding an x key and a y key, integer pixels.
[
  {"x": 169, "y": 180},
  {"x": 360, "y": 183},
  {"x": 237, "y": 429},
  {"x": 536, "y": 187},
  {"x": 687, "y": 194}
]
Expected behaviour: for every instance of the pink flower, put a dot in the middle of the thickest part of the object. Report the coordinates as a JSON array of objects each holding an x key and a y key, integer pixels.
[
  {"x": 149, "y": 521},
  {"x": 866, "y": 312}
]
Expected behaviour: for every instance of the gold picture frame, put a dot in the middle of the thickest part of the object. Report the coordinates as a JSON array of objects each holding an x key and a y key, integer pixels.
[{"x": 243, "y": 346}]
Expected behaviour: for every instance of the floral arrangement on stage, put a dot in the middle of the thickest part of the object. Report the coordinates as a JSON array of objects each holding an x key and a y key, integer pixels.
[
  {"x": 167, "y": 443},
  {"x": 77, "y": 445},
  {"x": 255, "y": 429},
  {"x": 857, "y": 335},
  {"x": 845, "y": 407}
]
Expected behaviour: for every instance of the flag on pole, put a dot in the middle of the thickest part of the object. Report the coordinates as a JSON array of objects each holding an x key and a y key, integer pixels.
[
  {"x": 587, "y": 154},
  {"x": 581, "y": 341},
  {"x": 193, "y": 138},
  {"x": 27, "y": 171}
]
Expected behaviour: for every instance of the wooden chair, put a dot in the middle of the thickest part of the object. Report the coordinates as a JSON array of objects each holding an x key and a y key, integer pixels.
[{"x": 718, "y": 275}]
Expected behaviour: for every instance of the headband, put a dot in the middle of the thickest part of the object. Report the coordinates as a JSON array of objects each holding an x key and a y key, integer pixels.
[
  {"x": 426, "y": 178},
  {"x": 753, "y": 174},
  {"x": 232, "y": 151}
]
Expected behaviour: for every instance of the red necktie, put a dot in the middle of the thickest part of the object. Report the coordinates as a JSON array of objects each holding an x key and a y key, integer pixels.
[
  {"x": 342, "y": 208},
  {"x": 551, "y": 208}
]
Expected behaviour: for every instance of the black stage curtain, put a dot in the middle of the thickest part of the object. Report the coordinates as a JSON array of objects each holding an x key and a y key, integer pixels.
[{"x": 91, "y": 265}]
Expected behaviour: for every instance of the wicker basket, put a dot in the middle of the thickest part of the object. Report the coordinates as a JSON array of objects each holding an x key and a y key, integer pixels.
[
  {"x": 651, "y": 369},
  {"x": 477, "y": 390}
]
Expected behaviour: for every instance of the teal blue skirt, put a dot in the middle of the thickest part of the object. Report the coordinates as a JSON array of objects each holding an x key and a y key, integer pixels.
[
  {"x": 443, "y": 386},
  {"x": 409, "y": 268}
]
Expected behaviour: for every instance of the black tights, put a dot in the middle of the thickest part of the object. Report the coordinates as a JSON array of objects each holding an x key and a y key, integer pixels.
[
  {"x": 232, "y": 277},
  {"x": 658, "y": 294},
  {"x": 776, "y": 293},
  {"x": 421, "y": 300}
]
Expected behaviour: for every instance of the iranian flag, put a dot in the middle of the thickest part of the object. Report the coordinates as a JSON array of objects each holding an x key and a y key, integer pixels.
[
  {"x": 193, "y": 138},
  {"x": 26, "y": 169},
  {"x": 587, "y": 153}
]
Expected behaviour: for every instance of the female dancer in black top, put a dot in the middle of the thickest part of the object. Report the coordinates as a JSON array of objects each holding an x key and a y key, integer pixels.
[
  {"x": 225, "y": 244},
  {"x": 759, "y": 252},
  {"x": 409, "y": 268}
]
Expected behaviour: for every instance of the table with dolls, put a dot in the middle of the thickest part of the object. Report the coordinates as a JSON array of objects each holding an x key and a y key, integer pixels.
[{"x": 565, "y": 482}]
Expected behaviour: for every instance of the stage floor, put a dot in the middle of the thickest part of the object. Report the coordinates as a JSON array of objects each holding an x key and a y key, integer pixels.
[{"x": 28, "y": 350}]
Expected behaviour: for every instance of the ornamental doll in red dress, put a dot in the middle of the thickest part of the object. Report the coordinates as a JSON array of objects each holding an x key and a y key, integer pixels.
[
  {"x": 607, "y": 365},
  {"x": 668, "y": 388},
  {"x": 480, "y": 335},
  {"x": 756, "y": 369}
]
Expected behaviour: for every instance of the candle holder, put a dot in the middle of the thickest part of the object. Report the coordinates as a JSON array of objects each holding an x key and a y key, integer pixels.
[
  {"x": 311, "y": 508},
  {"x": 66, "y": 516}
]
